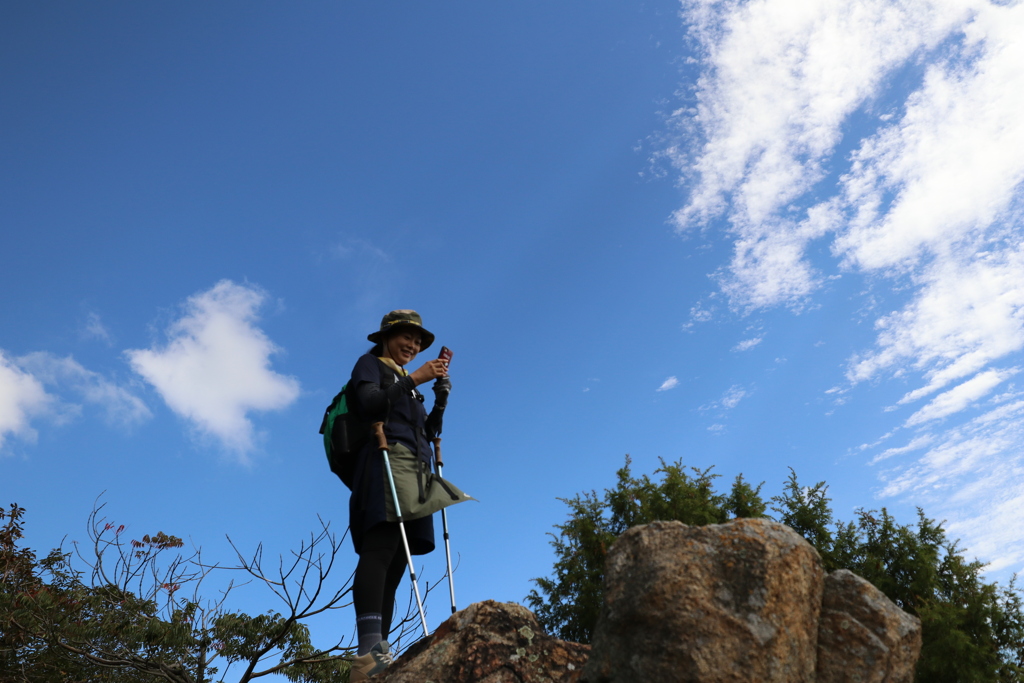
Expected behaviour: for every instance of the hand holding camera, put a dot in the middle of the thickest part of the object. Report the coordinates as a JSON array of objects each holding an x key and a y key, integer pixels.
[{"x": 443, "y": 386}]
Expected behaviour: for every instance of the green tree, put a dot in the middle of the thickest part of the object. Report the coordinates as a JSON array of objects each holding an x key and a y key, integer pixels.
[
  {"x": 972, "y": 630},
  {"x": 137, "y": 614}
]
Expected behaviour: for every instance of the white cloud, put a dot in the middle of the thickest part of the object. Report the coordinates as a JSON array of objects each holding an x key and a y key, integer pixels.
[
  {"x": 215, "y": 367},
  {"x": 972, "y": 477},
  {"x": 23, "y": 393},
  {"x": 120, "y": 405},
  {"x": 95, "y": 329},
  {"x": 747, "y": 344},
  {"x": 916, "y": 444},
  {"x": 953, "y": 161},
  {"x": 732, "y": 398},
  {"x": 996, "y": 533},
  {"x": 670, "y": 383},
  {"x": 958, "y": 398},
  {"x": 22, "y": 397},
  {"x": 768, "y": 268},
  {"x": 780, "y": 82},
  {"x": 967, "y": 313},
  {"x": 699, "y": 314},
  {"x": 929, "y": 200}
]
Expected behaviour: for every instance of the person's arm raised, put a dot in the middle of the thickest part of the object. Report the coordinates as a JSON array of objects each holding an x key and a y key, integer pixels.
[{"x": 432, "y": 369}]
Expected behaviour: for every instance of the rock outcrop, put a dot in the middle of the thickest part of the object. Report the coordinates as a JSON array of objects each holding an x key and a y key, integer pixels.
[
  {"x": 730, "y": 602},
  {"x": 862, "y": 636},
  {"x": 489, "y": 642},
  {"x": 746, "y": 601}
]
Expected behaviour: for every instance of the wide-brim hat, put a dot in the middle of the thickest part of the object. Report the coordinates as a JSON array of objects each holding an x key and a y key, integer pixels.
[{"x": 396, "y": 319}]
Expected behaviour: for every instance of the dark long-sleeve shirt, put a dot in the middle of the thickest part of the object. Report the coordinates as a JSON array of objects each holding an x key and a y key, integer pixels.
[{"x": 375, "y": 401}]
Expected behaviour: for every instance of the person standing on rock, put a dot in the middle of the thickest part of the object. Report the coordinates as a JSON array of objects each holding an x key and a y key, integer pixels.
[{"x": 382, "y": 390}]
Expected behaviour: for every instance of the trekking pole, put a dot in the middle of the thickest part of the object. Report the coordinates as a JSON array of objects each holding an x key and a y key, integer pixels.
[
  {"x": 382, "y": 444},
  {"x": 444, "y": 524}
]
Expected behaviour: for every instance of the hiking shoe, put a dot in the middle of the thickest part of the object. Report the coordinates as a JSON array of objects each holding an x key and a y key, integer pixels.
[{"x": 372, "y": 663}]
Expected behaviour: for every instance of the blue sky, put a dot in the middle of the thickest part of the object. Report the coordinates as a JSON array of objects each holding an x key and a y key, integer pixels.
[{"x": 753, "y": 235}]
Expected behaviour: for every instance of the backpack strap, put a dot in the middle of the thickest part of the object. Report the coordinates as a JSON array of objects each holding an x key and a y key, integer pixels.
[{"x": 387, "y": 378}]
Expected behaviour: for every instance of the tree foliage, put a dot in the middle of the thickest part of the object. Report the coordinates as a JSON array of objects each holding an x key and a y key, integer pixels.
[
  {"x": 972, "y": 630},
  {"x": 136, "y": 613}
]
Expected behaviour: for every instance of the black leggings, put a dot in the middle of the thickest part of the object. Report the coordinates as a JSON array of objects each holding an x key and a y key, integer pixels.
[{"x": 381, "y": 567}]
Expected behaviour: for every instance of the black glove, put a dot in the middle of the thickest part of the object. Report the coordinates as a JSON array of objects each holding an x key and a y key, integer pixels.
[{"x": 442, "y": 387}]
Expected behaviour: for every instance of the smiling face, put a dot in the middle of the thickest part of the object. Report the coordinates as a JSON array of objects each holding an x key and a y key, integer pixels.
[{"x": 402, "y": 345}]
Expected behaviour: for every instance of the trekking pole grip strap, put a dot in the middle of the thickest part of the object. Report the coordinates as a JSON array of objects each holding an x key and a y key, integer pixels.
[
  {"x": 437, "y": 451},
  {"x": 378, "y": 431}
]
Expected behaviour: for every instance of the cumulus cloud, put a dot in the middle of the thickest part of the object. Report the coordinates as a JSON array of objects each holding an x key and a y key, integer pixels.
[
  {"x": 22, "y": 397},
  {"x": 809, "y": 130},
  {"x": 120, "y": 405},
  {"x": 670, "y": 383},
  {"x": 215, "y": 367}
]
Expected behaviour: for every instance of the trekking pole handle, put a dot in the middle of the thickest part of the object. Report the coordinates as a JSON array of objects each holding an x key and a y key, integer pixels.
[
  {"x": 437, "y": 451},
  {"x": 378, "y": 431}
]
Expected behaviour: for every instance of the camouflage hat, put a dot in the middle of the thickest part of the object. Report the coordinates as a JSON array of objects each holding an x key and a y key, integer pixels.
[{"x": 395, "y": 319}]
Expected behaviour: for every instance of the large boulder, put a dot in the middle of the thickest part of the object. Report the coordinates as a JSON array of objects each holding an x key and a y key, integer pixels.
[
  {"x": 730, "y": 602},
  {"x": 489, "y": 642},
  {"x": 862, "y": 636}
]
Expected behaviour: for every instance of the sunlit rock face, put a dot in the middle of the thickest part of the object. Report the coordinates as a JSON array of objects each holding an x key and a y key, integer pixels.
[
  {"x": 863, "y": 636},
  {"x": 729, "y": 602},
  {"x": 489, "y": 642}
]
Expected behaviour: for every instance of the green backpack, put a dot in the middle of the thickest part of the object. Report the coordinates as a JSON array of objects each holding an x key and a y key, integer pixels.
[
  {"x": 344, "y": 436},
  {"x": 345, "y": 433}
]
